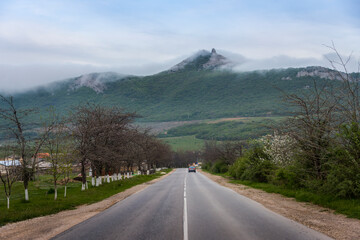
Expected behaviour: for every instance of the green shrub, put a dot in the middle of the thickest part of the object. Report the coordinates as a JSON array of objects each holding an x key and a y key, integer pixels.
[
  {"x": 254, "y": 166},
  {"x": 343, "y": 179},
  {"x": 238, "y": 168},
  {"x": 207, "y": 166},
  {"x": 51, "y": 191},
  {"x": 219, "y": 167},
  {"x": 289, "y": 177}
]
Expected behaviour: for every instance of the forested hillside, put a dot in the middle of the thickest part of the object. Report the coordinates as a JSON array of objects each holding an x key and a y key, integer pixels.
[
  {"x": 182, "y": 95},
  {"x": 200, "y": 87}
]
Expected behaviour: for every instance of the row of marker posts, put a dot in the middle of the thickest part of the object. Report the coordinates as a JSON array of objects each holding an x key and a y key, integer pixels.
[{"x": 115, "y": 177}]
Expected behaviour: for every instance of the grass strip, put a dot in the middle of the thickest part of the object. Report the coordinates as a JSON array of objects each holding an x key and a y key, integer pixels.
[{"x": 42, "y": 198}]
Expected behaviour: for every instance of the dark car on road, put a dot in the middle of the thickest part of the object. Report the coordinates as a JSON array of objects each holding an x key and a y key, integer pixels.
[{"x": 192, "y": 169}]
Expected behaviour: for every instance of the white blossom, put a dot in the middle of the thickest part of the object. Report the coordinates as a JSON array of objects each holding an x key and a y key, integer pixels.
[{"x": 280, "y": 148}]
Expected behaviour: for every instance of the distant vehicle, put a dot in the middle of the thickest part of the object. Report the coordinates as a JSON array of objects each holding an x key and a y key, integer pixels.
[{"x": 192, "y": 169}]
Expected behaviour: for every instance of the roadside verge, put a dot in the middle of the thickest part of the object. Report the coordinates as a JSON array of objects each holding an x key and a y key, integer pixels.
[
  {"x": 49, "y": 226},
  {"x": 318, "y": 218}
]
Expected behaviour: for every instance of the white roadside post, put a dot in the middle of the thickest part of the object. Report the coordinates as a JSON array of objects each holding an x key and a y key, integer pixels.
[
  {"x": 108, "y": 178},
  {"x": 128, "y": 175},
  {"x": 119, "y": 176},
  {"x": 97, "y": 182},
  {"x": 93, "y": 181},
  {"x": 139, "y": 172},
  {"x": 147, "y": 172}
]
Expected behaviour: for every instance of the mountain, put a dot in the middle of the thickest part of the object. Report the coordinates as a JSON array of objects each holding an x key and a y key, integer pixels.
[
  {"x": 202, "y": 60},
  {"x": 95, "y": 81},
  {"x": 200, "y": 87}
]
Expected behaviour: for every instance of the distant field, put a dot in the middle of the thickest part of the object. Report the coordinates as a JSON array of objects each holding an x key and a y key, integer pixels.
[
  {"x": 161, "y": 127},
  {"x": 191, "y": 135},
  {"x": 244, "y": 119},
  {"x": 228, "y": 129},
  {"x": 184, "y": 143}
]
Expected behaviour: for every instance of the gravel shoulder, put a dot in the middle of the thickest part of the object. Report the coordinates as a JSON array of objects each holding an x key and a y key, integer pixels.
[
  {"x": 321, "y": 219},
  {"x": 49, "y": 226}
]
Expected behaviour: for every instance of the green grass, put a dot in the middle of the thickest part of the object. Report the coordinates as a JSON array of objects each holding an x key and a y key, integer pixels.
[
  {"x": 184, "y": 143},
  {"x": 41, "y": 203},
  {"x": 232, "y": 129},
  {"x": 348, "y": 207}
]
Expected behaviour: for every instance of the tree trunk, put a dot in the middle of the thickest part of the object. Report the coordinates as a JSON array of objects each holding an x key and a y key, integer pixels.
[
  {"x": 8, "y": 202},
  {"x": 26, "y": 195},
  {"x": 83, "y": 174},
  {"x": 65, "y": 191},
  {"x": 55, "y": 186},
  {"x": 26, "y": 182}
]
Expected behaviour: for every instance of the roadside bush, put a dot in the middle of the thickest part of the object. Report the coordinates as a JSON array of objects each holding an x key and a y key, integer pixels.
[
  {"x": 207, "y": 166},
  {"x": 343, "y": 179},
  {"x": 237, "y": 169},
  {"x": 286, "y": 177},
  {"x": 51, "y": 191},
  {"x": 219, "y": 167},
  {"x": 343, "y": 167},
  {"x": 254, "y": 166}
]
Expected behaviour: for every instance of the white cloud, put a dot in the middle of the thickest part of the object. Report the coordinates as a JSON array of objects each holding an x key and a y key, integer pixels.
[{"x": 44, "y": 41}]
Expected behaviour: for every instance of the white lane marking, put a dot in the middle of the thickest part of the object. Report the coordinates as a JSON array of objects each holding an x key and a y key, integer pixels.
[{"x": 185, "y": 221}]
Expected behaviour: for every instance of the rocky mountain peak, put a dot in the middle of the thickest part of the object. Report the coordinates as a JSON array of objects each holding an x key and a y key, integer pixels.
[
  {"x": 321, "y": 72},
  {"x": 202, "y": 60}
]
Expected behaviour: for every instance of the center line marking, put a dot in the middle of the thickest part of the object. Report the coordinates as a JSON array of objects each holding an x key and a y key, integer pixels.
[{"x": 185, "y": 223}]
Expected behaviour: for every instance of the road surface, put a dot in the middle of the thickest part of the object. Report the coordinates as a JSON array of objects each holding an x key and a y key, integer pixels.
[{"x": 188, "y": 206}]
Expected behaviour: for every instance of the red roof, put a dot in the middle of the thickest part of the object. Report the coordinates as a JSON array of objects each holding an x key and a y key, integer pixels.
[{"x": 43, "y": 155}]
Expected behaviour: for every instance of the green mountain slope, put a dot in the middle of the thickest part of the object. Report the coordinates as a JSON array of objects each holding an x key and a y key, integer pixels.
[{"x": 195, "y": 89}]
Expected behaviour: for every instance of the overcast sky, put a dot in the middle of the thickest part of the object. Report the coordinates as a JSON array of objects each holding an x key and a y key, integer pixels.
[{"x": 47, "y": 40}]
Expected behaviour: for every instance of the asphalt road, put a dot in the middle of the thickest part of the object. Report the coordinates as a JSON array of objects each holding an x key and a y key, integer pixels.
[{"x": 189, "y": 206}]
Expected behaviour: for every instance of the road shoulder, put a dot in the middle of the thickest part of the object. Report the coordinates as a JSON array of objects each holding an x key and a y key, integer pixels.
[
  {"x": 49, "y": 226},
  {"x": 318, "y": 218}
]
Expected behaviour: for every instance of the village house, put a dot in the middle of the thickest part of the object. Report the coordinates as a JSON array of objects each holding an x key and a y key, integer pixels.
[{"x": 9, "y": 162}]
